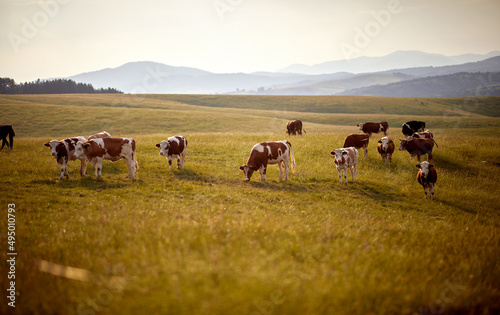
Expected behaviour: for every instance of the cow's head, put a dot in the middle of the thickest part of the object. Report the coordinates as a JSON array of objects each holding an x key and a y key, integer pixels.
[
  {"x": 339, "y": 156},
  {"x": 80, "y": 149},
  {"x": 424, "y": 168},
  {"x": 402, "y": 146},
  {"x": 248, "y": 170},
  {"x": 53, "y": 145},
  {"x": 163, "y": 145},
  {"x": 385, "y": 142},
  {"x": 360, "y": 126}
]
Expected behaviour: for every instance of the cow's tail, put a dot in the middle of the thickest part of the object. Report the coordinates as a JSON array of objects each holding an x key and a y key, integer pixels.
[
  {"x": 134, "y": 156},
  {"x": 435, "y": 143},
  {"x": 292, "y": 158},
  {"x": 304, "y": 130}
]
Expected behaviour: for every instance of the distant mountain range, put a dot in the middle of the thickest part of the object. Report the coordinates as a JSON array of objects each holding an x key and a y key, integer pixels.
[{"x": 362, "y": 75}]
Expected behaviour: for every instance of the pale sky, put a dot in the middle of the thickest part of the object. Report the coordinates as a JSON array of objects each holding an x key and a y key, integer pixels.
[{"x": 59, "y": 38}]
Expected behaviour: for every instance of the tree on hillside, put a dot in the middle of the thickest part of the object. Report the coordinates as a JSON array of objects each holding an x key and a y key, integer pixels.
[{"x": 57, "y": 86}]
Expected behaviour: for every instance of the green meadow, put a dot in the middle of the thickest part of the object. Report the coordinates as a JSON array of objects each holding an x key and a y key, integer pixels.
[{"x": 203, "y": 241}]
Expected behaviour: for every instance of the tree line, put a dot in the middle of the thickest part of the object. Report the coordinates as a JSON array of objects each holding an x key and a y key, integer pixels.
[{"x": 56, "y": 86}]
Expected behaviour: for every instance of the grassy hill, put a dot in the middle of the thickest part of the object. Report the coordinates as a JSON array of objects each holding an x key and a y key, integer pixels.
[{"x": 203, "y": 241}]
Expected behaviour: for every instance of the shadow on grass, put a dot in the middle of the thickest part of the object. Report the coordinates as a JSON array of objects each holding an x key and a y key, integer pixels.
[
  {"x": 90, "y": 183},
  {"x": 278, "y": 186}
]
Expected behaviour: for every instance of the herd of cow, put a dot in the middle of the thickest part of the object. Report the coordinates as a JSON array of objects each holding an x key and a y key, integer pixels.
[{"x": 102, "y": 146}]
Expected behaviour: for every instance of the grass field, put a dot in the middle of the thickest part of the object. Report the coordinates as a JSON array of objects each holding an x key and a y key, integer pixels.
[{"x": 203, "y": 241}]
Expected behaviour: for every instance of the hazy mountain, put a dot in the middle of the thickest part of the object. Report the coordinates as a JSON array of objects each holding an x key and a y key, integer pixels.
[
  {"x": 157, "y": 78},
  {"x": 396, "y": 60},
  {"x": 451, "y": 85}
]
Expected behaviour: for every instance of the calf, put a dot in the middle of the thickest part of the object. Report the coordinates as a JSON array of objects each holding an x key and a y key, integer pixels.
[
  {"x": 294, "y": 127},
  {"x": 64, "y": 151},
  {"x": 113, "y": 149},
  {"x": 427, "y": 177},
  {"x": 418, "y": 147},
  {"x": 174, "y": 148},
  {"x": 358, "y": 141},
  {"x": 102, "y": 134},
  {"x": 262, "y": 154},
  {"x": 386, "y": 147},
  {"x": 346, "y": 158},
  {"x": 7, "y": 131},
  {"x": 410, "y": 127},
  {"x": 371, "y": 127}
]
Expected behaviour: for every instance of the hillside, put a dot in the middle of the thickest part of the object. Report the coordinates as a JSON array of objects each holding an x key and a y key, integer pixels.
[{"x": 459, "y": 84}]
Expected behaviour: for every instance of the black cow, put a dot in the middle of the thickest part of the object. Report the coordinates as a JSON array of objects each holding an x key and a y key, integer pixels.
[
  {"x": 7, "y": 130},
  {"x": 410, "y": 127}
]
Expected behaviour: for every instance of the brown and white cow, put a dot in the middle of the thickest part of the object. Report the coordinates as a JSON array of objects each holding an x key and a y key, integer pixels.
[
  {"x": 427, "y": 177},
  {"x": 274, "y": 152},
  {"x": 174, "y": 148},
  {"x": 102, "y": 134},
  {"x": 64, "y": 151},
  {"x": 113, "y": 149},
  {"x": 422, "y": 134},
  {"x": 386, "y": 148},
  {"x": 358, "y": 140},
  {"x": 346, "y": 158},
  {"x": 371, "y": 127},
  {"x": 294, "y": 127},
  {"x": 418, "y": 147}
]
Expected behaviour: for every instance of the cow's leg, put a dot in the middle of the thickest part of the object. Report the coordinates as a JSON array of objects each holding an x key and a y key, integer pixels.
[
  {"x": 286, "y": 168},
  {"x": 64, "y": 170},
  {"x": 340, "y": 175},
  {"x": 354, "y": 171},
  {"x": 99, "y": 167},
  {"x": 263, "y": 173},
  {"x": 425, "y": 191},
  {"x": 183, "y": 159},
  {"x": 83, "y": 167},
  {"x": 131, "y": 167},
  {"x": 169, "y": 163},
  {"x": 345, "y": 175},
  {"x": 179, "y": 163},
  {"x": 431, "y": 190},
  {"x": 365, "y": 152}
]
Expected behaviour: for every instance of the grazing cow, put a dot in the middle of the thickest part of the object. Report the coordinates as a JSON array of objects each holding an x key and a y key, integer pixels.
[
  {"x": 64, "y": 151},
  {"x": 7, "y": 130},
  {"x": 418, "y": 147},
  {"x": 410, "y": 127},
  {"x": 386, "y": 147},
  {"x": 371, "y": 127},
  {"x": 274, "y": 152},
  {"x": 427, "y": 177},
  {"x": 423, "y": 134},
  {"x": 102, "y": 134},
  {"x": 174, "y": 148},
  {"x": 294, "y": 127},
  {"x": 346, "y": 158},
  {"x": 358, "y": 141},
  {"x": 114, "y": 149}
]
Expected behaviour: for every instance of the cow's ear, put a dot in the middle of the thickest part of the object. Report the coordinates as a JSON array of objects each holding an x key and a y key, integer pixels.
[
  {"x": 46, "y": 144},
  {"x": 242, "y": 167},
  {"x": 431, "y": 165},
  {"x": 417, "y": 166},
  {"x": 344, "y": 153},
  {"x": 157, "y": 145},
  {"x": 332, "y": 153},
  {"x": 86, "y": 145},
  {"x": 380, "y": 141}
]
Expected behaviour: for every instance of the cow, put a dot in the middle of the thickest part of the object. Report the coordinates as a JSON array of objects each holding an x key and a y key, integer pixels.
[
  {"x": 174, "y": 148},
  {"x": 410, "y": 127},
  {"x": 113, "y": 149},
  {"x": 386, "y": 147},
  {"x": 294, "y": 127},
  {"x": 427, "y": 177},
  {"x": 371, "y": 127},
  {"x": 423, "y": 134},
  {"x": 64, "y": 151},
  {"x": 273, "y": 152},
  {"x": 358, "y": 141},
  {"x": 102, "y": 134},
  {"x": 7, "y": 130},
  {"x": 418, "y": 147},
  {"x": 346, "y": 158}
]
